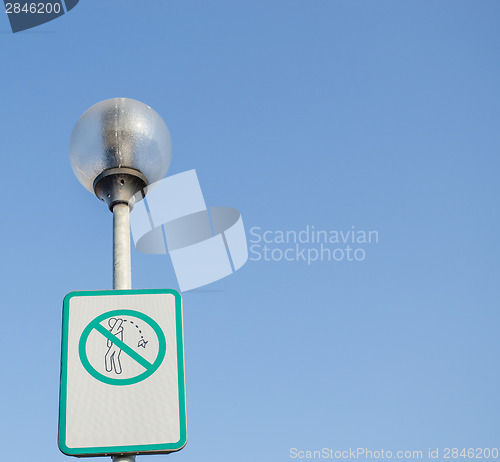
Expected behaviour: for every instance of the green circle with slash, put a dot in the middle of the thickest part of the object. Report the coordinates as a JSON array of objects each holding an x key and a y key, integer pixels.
[{"x": 151, "y": 368}]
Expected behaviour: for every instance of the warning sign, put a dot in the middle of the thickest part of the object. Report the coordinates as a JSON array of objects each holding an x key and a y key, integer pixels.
[{"x": 122, "y": 373}]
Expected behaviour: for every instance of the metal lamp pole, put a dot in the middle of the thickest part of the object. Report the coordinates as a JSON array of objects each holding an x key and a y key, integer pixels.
[
  {"x": 123, "y": 458},
  {"x": 122, "y": 271},
  {"x": 118, "y": 187}
]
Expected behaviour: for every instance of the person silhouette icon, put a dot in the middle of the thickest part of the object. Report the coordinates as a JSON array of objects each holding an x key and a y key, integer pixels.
[{"x": 112, "y": 357}]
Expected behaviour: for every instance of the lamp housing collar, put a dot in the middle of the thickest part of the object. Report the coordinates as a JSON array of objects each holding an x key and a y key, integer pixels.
[{"x": 119, "y": 186}]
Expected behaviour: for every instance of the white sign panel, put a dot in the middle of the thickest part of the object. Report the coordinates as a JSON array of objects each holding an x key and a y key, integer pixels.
[{"x": 122, "y": 373}]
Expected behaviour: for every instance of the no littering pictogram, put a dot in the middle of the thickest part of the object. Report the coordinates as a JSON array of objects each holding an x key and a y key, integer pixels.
[{"x": 118, "y": 335}]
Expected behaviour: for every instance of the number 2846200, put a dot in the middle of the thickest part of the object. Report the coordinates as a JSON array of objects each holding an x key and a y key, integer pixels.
[{"x": 33, "y": 8}]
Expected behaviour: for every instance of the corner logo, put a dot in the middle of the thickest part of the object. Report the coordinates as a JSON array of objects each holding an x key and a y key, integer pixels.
[{"x": 26, "y": 14}]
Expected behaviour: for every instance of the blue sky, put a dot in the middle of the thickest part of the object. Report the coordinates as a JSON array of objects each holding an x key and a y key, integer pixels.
[{"x": 377, "y": 114}]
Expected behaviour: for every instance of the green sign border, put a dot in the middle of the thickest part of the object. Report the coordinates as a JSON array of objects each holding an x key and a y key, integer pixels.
[
  {"x": 133, "y": 449},
  {"x": 82, "y": 350}
]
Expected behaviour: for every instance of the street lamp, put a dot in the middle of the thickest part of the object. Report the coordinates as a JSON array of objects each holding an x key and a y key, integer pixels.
[{"x": 118, "y": 147}]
